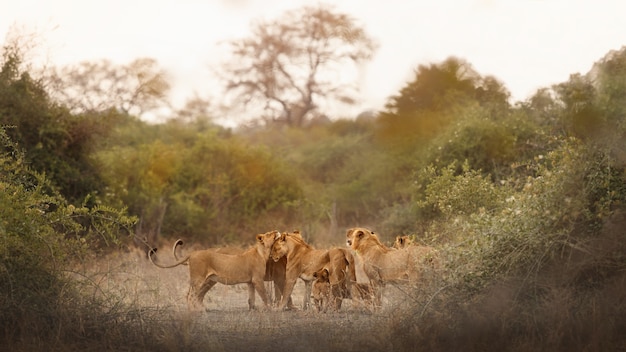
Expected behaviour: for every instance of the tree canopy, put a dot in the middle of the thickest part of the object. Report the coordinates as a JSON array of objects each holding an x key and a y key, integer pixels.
[{"x": 290, "y": 67}]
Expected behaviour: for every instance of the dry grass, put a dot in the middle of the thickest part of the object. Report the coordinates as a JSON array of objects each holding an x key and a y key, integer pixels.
[
  {"x": 157, "y": 300},
  {"x": 126, "y": 303}
]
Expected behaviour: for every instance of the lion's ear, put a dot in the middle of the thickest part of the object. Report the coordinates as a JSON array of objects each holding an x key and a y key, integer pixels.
[
  {"x": 283, "y": 236},
  {"x": 360, "y": 234},
  {"x": 349, "y": 232},
  {"x": 325, "y": 274}
]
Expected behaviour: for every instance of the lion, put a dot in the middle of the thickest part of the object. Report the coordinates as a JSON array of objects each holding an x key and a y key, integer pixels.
[
  {"x": 323, "y": 295},
  {"x": 341, "y": 268},
  {"x": 428, "y": 254},
  {"x": 303, "y": 261},
  {"x": 208, "y": 267},
  {"x": 383, "y": 264},
  {"x": 320, "y": 290},
  {"x": 274, "y": 271},
  {"x": 402, "y": 242}
]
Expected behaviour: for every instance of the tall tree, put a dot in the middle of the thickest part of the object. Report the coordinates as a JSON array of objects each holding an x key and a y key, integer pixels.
[
  {"x": 426, "y": 105},
  {"x": 136, "y": 88},
  {"x": 438, "y": 85},
  {"x": 288, "y": 66}
]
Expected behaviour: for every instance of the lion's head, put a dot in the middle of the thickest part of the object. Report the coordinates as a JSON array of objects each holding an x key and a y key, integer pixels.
[
  {"x": 402, "y": 242},
  {"x": 280, "y": 248},
  {"x": 266, "y": 240},
  {"x": 359, "y": 237}
]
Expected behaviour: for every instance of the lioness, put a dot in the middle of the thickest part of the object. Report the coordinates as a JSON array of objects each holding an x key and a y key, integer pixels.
[
  {"x": 402, "y": 242},
  {"x": 383, "y": 264},
  {"x": 274, "y": 271},
  {"x": 428, "y": 255},
  {"x": 208, "y": 267},
  {"x": 303, "y": 260}
]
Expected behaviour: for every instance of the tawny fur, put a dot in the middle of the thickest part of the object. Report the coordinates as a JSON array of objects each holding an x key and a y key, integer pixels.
[
  {"x": 274, "y": 271},
  {"x": 208, "y": 267},
  {"x": 383, "y": 264},
  {"x": 303, "y": 261},
  {"x": 402, "y": 242}
]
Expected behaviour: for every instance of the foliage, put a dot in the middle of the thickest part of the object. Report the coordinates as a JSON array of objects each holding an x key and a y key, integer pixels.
[
  {"x": 437, "y": 85},
  {"x": 439, "y": 95},
  {"x": 495, "y": 147},
  {"x": 40, "y": 235},
  {"x": 452, "y": 194},
  {"x": 201, "y": 186},
  {"x": 231, "y": 184},
  {"x": 56, "y": 142}
]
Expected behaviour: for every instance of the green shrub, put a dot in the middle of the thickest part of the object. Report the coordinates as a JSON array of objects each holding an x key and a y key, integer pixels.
[{"x": 40, "y": 235}]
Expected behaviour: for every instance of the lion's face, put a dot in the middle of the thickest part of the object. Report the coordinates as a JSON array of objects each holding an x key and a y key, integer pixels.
[
  {"x": 355, "y": 236},
  {"x": 267, "y": 239},
  {"x": 279, "y": 249},
  {"x": 402, "y": 242}
]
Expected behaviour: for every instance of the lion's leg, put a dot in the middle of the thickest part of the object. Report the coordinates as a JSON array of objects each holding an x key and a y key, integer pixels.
[
  {"x": 192, "y": 299},
  {"x": 336, "y": 292},
  {"x": 279, "y": 289},
  {"x": 259, "y": 285},
  {"x": 251, "y": 296},
  {"x": 288, "y": 289},
  {"x": 197, "y": 291},
  {"x": 378, "y": 288},
  {"x": 318, "y": 304},
  {"x": 307, "y": 294}
]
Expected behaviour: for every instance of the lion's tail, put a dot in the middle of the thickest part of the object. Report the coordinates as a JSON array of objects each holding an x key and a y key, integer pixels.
[
  {"x": 180, "y": 262},
  {"x": 178, "y": 242}
]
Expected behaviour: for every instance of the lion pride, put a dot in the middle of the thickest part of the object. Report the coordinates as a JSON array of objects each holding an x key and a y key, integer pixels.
[
  {"x": 382, "y": 264},
  {"x": 303, "y": 261},
  {"x": 208, "y": 267}
]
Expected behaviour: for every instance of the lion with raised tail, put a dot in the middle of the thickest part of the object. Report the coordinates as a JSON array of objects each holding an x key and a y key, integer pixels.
[
  {"x": 208, "y": 267},
  {"x": 383, "y": 264},
  {"x": 274, "y": 271}
]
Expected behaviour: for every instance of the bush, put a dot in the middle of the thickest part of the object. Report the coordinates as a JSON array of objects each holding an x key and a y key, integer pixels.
[{"x": 40, "y": 235}]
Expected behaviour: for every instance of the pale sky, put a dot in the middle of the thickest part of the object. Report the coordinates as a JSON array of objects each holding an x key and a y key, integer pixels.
[{"x": 526, "y": 44}]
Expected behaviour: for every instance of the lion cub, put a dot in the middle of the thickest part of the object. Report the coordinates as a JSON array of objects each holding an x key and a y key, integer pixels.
[{"x": 324, "y": 294}]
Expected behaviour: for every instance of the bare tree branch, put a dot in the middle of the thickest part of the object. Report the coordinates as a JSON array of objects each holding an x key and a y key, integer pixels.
[{"x": 289, "y": 65}]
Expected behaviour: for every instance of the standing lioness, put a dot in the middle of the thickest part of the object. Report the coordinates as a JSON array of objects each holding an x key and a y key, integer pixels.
[
  {"x": 274, "y": 271},
  {"x": 207, "y": 267},
  {"x": 383, "y": 264}
]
